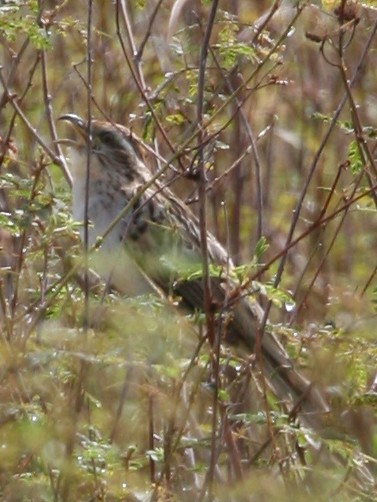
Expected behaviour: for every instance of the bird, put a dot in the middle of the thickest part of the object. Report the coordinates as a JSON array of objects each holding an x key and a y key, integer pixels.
[{"x": 161, "y": 235}]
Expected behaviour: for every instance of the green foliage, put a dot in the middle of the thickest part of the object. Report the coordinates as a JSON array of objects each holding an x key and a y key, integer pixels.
[
  {"x": 229, "y": 49},
  {"x": 19, "y": 20},
  {"x": 354, "y": 157},
  {"x": 282, "y": 299},
  {"x": 176, "y": 119},
  {"x": 261, "y": 247}
]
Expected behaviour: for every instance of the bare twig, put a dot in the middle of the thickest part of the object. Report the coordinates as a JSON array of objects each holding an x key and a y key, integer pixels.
[
  {"x": 209, "y": 314},
  {"x": 139, "y": 54},
  {"x": 14, "y": 101},
  {"x": 313, "y": 166}
]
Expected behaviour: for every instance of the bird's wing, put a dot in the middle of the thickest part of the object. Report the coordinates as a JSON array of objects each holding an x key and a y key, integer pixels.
[{"x": 164, "y": 240}]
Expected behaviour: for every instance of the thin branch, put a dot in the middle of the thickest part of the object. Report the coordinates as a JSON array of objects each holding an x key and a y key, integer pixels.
[
  {"x": 313, "y": 167},
  {"x": 148, "y": 31},
  {"x": 137, "y": 74},
  {"x": 14, "y": 101},
  {"x": 50, "y": 119},
  {"x": 319, "y": 222},
  {"x": 209, "y": 314}
]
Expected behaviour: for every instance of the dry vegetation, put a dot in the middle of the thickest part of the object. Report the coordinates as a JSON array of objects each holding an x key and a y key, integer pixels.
[{"x": 108, "y": 396}]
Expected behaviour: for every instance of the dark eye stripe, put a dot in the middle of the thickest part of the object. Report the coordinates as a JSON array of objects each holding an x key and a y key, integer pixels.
[{"x": 108, "y": 138}]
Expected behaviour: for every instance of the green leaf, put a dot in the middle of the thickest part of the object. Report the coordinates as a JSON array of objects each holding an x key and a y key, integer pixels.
[
  {"x": 176, "y": 118},
  {"x": 354, "y": 157},
  {"x": 261, "y": 247}
]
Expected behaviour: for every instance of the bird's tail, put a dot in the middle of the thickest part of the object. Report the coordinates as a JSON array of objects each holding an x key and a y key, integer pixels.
[
  {"x": 302, "y": 396},
  {"x": 290, "y": 386}
]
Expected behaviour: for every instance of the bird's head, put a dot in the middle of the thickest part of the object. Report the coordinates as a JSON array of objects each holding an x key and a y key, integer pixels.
[{"x": 112, "y": 145}]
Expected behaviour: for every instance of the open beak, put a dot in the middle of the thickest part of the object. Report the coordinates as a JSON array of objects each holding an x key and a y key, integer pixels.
[
  {"x": 78, "y": 125},
  {"x": 74, "y": 119}
]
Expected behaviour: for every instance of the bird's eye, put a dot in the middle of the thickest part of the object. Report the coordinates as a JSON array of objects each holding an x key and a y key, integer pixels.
[
  {"x": 103, "y": 139},
  {"x": 107, "y": 138},
  {"x": 110, "y": 139}
]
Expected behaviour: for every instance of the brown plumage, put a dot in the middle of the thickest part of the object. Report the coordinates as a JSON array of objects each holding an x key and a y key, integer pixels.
[{"x": 162, "y": 236}]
